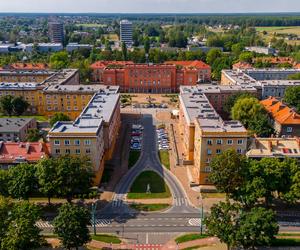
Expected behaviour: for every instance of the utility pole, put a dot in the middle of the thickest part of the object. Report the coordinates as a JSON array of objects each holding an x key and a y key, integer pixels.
[{"x": 94, "y": 207}]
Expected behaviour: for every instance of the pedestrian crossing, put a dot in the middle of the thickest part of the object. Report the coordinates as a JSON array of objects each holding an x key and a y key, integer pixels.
[
  {"x": 195, "y": 222},
  {"x": 178, "y": 202},
  {"x": 98, "y": 223},
  {"x": 117, "y": 203}
]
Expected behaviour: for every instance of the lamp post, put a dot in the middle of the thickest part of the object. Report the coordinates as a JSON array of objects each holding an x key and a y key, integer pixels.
[
  {"x": 94, "y": 207},
  {"x": 201, "y": 215}
]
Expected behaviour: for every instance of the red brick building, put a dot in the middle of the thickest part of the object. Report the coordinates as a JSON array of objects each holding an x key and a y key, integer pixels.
[{"x": 150, "y": 78}]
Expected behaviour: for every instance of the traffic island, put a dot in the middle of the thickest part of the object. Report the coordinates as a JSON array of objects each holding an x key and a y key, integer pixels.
[{"x": 149, "y": 207}]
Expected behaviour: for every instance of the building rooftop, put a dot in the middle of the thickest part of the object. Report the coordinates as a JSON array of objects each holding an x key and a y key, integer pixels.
[
  {"x": 190, "y": 64},
  {"x": 210, "y": 89},
  {"x": 29, "y": 66},
  {"x": 13, "y": 125},
  {"x": 82, "y": 88},
  {"x": 274, "y": 147},
  {"x": 60, "y": 77},
  {"x": 13, "y": 152},
  {"x": 18, "y": 85},
  {"x": 280, "y": 112},
  {"x": 197, "y": 108}
]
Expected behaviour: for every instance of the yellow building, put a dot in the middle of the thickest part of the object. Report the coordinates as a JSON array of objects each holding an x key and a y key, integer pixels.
[
  {"x": 206, "y": 134},
  {"x": 92, "y": 134}
]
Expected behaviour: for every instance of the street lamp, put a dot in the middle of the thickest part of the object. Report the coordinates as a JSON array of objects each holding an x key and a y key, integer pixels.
[
  {"x": 94, "y": 207},
  {"x": 201, "y": 215}
]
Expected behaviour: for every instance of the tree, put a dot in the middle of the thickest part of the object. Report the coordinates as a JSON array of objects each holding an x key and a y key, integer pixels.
[
  {"x": 246, "y": 57},
  {"x": 22, "y": 231},
  {"x": 228, "y": 170},
  {"x": 5, "y": 207},
  {"x": 75, "y": 175},
  {"x": 237, "y": 49},
  {"x": 84, "y": 69},
  {"x": 4, "y": 177},
  {"x": 59, "y": 60},
  {"x": 19, "y": 105},
  {"x": 294, "y": 76},
  {"x": 33, "y": 135},
  {"x": 147, "y": 44},
  {"x": 212, "y": 55},
  {"x": 71, "y": 226},
  {"x": 292, "y": 97},
  {"x": 59, "y": 117},
  {"x": 261, "y": 125},
  {"x": 124, "y": 51},
  {"x": 22, "y": 180},
  {"x": 229, "y": 103},
  {"x": 47, "y": 177},
  {"x": 6, "y": 105},
  {"x": 256, "y": 227},
  {"x": 246, "y": 109},
  {"x": 222, "y": 222}
]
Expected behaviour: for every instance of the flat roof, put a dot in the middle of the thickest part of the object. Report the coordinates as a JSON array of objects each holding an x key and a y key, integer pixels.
[
  {"x": 210, "y": 88},
  {"x": 13, "y": 124},
  {"x": 18, "y": 85},
  {"x": 60, "y": 77},
  {"x": 92, "y": 88}
]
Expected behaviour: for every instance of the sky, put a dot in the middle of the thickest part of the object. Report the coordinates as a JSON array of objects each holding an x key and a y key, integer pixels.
[{"x": 149, "y": 6}]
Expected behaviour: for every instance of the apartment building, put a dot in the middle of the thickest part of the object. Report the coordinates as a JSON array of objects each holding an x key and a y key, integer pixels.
[
  {"x": 274, "y": 148},
  {"x": 286, "y": 121},
  {"x": 269, "y": 82},
  {"x": 205, "y": 133},
  {"x": 150, "y": 78},
  {"x": 126, "y": 32},
  {"x": 16, "y": 129},
  {"x": 56, "y": 32},
  {"x": 92, "y": 134}
]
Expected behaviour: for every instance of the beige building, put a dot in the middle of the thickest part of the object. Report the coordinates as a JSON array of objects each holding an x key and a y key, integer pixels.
[
  {"x": 274, "y": 148},
  {"x": 205, "y": 134},
  {"x": 92, "y": 134}
]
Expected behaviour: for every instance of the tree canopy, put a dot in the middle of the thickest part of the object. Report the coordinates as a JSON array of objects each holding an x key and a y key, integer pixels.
[
  {"x": 59, "y": 117},
  {"x": 292, "y": 97}
]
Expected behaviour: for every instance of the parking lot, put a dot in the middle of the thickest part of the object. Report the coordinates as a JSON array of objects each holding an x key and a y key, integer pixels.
[
  {"x": 162, "y": 139},
  {"x": 136, "y": 137}
]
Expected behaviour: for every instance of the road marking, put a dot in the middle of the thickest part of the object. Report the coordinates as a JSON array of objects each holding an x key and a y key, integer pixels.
[{"x": 195, "y": 222}]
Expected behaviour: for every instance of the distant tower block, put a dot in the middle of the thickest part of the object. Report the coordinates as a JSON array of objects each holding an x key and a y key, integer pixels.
[
  {"x": 56, "y": 32},
  {"x": 126, "y": 32}
]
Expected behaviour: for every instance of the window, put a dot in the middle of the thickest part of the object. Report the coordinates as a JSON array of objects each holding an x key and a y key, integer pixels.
[
  {"x": 218, "y": 151},
  {"x": 77, "y": 151},
  {"x": 68, "y": 151},
  {"x": 239, "y": 151},
  {"x": 289, "y": 129},
  {"x": 240, "y": 142},
  {"x": 88, "y": 151},
  {"x": 209, "y": 152},
  {"x": 57, "y": 151},
  {"x": 207, "y": 169},
  {"x": 229, "y": 142},
  {"x": 87, "y": 142},
  {"x": 67, "y": 142},
  {"x": 219, "y": 141},
  {"x": 209, "y": 142},
  {"x": 208, "y": 160},
  {"x": 56, "y": 142},
  {"x": 77, "y": 142}
]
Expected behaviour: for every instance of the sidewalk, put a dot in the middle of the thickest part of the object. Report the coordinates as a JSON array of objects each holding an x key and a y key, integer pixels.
[{"x": 210, "y": 242}]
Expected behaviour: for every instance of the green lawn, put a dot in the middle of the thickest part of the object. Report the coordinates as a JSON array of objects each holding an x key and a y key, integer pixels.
[
  {"x": 134, "y": 155},
  {"x": 39, "y": 118},
  {"x": 107, "y": 238},
  {"x": 285, "y": 242},
  {"x": 164, "y": 158},
  {"x": 149, "y": 207},
  {"x": 190, "y": 237},
  {"x": 158, "y": 187}
]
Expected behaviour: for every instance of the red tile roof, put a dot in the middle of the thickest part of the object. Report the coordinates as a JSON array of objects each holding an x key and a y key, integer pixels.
[
  {"x": 11, "y": 152},
  {"x": 242, "y": 65},
  {"x": 193, "y": 64},
  {"x": 280, "y": 112},
  {"x": 104, "y": 64},
  {"x": 28, "y": 66},
  {"x": 297, "y": 66},
  {"x": 275, "y": 60}
]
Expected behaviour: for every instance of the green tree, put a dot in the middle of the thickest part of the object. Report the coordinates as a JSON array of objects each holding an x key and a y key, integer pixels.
[
  {"x": 246, "y": 109},
  {"x": 22, "y": 231},
  {"x": 292, "y": 97},
  {"x": 59, "y": 60},
  {"x": 33, "y": 135},
  {"x": 5, "y": 208},
  {"x": 295, "y": 76},
  {"x": 71, "y": 226},
  {"x": 4, "y": 177},
  {"x": 75, "y": 175},
  {"x": 22, "y": 181},
  {"x": 46, "y": 172},
  {"x": 246, "y": 57},
  {"x": 261, "y": 125},
  {"x": 222, "y": 223},
  {"x": 229, "y": 103},
  {"x": 59, "y": 117},
  {"x": 237, "y": 49},
  {"x": 256, "y": 227},
  {"x": 83, "y": 65},
  {"x": 147, "y": 44},
  {"x": 19, "y": 105},
  {"x": 227, "y": 171},
  {"x": 124, "y": 51},
  {"x": 6, "y": 105},
  {"x": 212, "y": 55}
]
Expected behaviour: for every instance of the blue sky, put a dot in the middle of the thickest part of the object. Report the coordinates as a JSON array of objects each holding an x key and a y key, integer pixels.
[{"x": 156, "y": 6}]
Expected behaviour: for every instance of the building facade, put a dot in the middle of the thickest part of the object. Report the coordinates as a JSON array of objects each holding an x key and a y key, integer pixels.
[
  {"x": 126, "y": 32},
  {"x": 56, "y": 32},
  {"x": 150, "y": 78}
]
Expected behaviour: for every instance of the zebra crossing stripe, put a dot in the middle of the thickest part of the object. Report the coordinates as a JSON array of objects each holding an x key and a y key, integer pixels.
[{"x": 195, "y": 222}]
